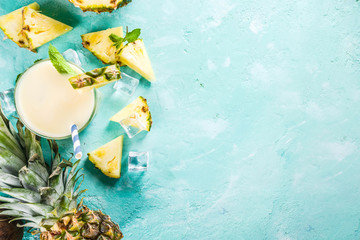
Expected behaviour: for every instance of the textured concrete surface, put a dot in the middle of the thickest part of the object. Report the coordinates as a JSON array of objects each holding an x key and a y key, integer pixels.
[{"x": 256, "y": 118}]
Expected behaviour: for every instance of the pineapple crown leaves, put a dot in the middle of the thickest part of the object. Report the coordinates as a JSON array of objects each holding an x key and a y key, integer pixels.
[
  {"x": 59, "y": 62},
  {"x": 129, "y": 37},
  {"x": 30, "y": 189}
]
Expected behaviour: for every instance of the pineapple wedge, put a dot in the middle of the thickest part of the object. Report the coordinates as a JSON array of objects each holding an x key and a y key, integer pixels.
[
  {"x": 39, "y": 29},
  {"x": 134, "y": 55},
  {"x": 137, "y": 110},
  {"x": 12, "y": 23},
  {"x": 96, "y": 78},
  {"x": 99, "y": 44},
  {"x": 108, "y": 157},
  {"x": 99, "y": 5}
]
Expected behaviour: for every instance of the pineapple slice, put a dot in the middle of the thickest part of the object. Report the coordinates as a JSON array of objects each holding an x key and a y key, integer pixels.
[
  {"x": 134, "y": 55},
  {"x": 99, "y": 5},
  {"x": 99, "y": 44},
  {"x": 12, "y": 23},
  {"x": 40, "y": 29},
  {"x": 96, "y": 78},
  {"x": 138, "y": 110},
  {"x": 108, "y": 157}
]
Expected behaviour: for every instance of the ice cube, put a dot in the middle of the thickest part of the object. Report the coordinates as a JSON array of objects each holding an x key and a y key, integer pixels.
[
  {"x": 7, "y": 101},
  {"x": 72, "y": 56},
  {"x": 138, "y": 161},
  {"x": 126, "y": 84}
]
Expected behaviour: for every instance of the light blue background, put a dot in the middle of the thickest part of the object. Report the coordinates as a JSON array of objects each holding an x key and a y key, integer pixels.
[{"x": 256, "y": 118}]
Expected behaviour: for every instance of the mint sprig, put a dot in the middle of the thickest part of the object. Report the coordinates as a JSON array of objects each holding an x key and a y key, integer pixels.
[
  {"x": 129, "y": 37},
  {"x": 59, "y": 62}
]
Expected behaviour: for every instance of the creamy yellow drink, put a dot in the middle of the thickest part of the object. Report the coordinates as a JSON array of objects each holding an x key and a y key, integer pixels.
[{"x": 47, "y": 103}]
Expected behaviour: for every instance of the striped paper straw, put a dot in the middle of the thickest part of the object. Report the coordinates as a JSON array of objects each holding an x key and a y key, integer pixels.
[{"x": 76, "y": 141}]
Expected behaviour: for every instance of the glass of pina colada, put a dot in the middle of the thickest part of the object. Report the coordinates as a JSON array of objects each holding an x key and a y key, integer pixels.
[{"x": 48, "y": 105}]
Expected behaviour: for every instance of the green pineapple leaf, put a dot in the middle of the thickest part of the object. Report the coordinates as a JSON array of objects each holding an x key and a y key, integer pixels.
[
  {"x": 30, "y": 179},
  {"x": 22, "y": 194},
  {"x": 8, "y": 179},
  {"x": 59, "y": 62}
]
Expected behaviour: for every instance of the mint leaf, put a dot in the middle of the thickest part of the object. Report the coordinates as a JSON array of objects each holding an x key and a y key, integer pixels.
[
  {"x": 59, "y": 62},
  {"x": 133, "y": 35},
  {"x": 116, "y": 40},
  {"x": 129, "y": 37}
]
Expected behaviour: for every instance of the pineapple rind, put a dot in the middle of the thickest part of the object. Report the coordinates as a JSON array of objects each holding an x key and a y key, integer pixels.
[
  {"x": 89, "y": 80},
  {"x": 123, "y": 3},
  {"x": 134, "y": 55},
  {"x": 99, "y": 6},
  {"x": 11, "y": 24},
  {"x": 83, "y": 223},
  {"x": 107, "y": 158},
  {"x": 99, "y": 44},
  {"x": 39, "y": 29},
  {"x": 138, "y": 106}
]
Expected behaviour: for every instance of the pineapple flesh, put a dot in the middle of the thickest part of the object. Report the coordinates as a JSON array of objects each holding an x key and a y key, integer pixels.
[
  {"x": 134, "y": 55},
  {"x": 39, "y": 29},
  {"x": 136, "y": 114},
  {"x": 45, "y": 197},
  {"x": 107, "y": 158},
  {"x": 96, "y": 78},
  {"x": 12, "y": 24},
  {"x": 99, "y": 5},
  {"x": 99, "y": 44}
]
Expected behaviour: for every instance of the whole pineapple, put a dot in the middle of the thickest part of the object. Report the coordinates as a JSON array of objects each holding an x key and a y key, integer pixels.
[{"x": 45, "y": 197}]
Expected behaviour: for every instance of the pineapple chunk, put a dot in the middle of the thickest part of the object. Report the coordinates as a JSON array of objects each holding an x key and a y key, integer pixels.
[
  {"x": 40, "y": 29},
  {"x": 99, "y": 5},
  {"x": 99, "y": 44},
  {"x": 137, "y": 110},
  {"x": 96, "y": 78},
  {"x": 108, "y": 157},
  {"x": 12, "y": 23},
  {"x": 134, "y": 55}
]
